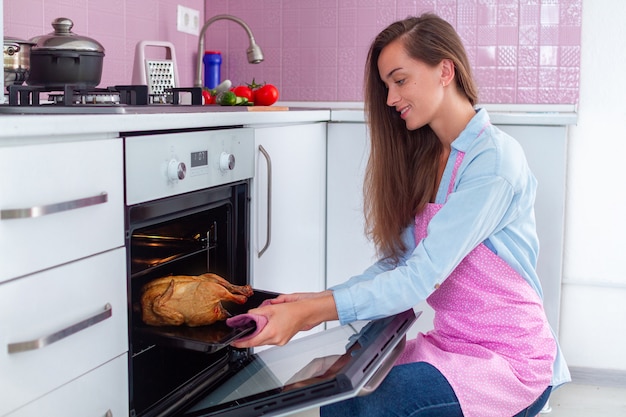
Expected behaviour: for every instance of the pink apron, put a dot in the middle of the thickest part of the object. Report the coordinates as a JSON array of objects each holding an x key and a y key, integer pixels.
[{"x": 491, "y": 339}]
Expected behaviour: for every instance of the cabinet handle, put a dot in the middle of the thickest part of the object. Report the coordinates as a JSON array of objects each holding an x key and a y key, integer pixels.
[
  {"x": 61, "y": 334},
  {"x": 269, "y": 200},
  {"x": 38, "y": 211}
]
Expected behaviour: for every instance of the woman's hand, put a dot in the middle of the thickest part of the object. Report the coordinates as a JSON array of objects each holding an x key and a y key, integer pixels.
[{"x": 288, "y": 314}]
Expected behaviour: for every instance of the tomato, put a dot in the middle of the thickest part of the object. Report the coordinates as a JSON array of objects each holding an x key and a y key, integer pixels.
[
  {"x": 243, "y": 91},
  {"x": 207, "y": 97},
  {"x": 266, "y": 95}
]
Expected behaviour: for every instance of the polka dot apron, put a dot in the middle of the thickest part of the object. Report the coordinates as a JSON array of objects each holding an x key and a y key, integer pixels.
[{"x": 491, "y": 339}]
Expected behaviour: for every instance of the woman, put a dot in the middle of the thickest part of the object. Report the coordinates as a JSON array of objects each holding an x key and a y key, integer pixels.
[{"x": 449, "y": 204}]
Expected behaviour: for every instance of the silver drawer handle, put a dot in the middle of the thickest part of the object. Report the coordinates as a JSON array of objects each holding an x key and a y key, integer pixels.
[
  {"x": 61, "y": 334},
  {"x": 38, "y": 211}
]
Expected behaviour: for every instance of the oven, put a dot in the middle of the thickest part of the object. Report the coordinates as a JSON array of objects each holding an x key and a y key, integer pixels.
[
  {"x": 188, "y": 213},
  {"x": 187, "y": 197}
]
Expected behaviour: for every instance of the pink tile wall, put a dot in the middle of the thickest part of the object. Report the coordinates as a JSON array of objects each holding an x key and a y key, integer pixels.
[
  {"x": 117, "y": 24},
  {"x": 522, "y": 51}
]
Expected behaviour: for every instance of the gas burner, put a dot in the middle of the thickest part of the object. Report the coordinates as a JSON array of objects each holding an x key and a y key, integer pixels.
[
  {"x": 160, "y": 98},
  {"x": 72, "y": 95},
  {"x": 72, "y": 99},
  {"x": 87, "y": 98}
]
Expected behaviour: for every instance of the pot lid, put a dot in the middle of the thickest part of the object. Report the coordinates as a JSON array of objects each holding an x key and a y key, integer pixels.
[{"x": 64, "y": 39}]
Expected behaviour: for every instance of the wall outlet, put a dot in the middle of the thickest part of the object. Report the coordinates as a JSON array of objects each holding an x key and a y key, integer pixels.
[{"x": 188, "y": 20}]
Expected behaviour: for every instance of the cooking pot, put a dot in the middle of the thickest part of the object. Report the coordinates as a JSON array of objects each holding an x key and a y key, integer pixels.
[
  {"x": 16, "y": 60},
  {"x": 65, "y": 58}
]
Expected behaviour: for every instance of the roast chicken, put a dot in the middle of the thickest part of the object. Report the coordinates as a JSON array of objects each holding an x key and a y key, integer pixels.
[{"x": 189, "y": 300}]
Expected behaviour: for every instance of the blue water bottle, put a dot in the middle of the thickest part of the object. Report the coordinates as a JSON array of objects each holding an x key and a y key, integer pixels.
[{"x": 212, "y": 61}]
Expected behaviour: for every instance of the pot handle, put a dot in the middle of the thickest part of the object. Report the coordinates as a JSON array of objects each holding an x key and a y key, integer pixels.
[
  {"x": 12, "y": 48},
  {"x": 73, "y": 55}
]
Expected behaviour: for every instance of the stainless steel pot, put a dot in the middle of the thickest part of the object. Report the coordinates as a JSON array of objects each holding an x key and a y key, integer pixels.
[
  {"x": 16, "y": 60},
  {"x": 65, "y": 58}
]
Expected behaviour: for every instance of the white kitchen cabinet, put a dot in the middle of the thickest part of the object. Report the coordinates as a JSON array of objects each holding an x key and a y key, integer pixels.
[
  {"x": 41, "y": 346},
  {"x": 349, "y": 252},
  {"x": 59, "y": 202},
  {"x": 289, "y": 208},
  {"x": 99, "y": 393},
  {"x": 63, "y": 296}
]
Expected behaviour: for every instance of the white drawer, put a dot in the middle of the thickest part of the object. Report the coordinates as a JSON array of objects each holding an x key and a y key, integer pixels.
[
  {"x": 43, "y": 306},
  {"x": 71, "y": 180},
  {"x": 101, "y": 391}
]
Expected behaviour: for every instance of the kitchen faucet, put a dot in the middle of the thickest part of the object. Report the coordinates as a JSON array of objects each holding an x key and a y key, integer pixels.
[{"x": 255, "y": 55}]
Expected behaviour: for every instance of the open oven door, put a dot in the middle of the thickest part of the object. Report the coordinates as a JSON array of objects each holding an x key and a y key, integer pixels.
[{"x": 312, "y": 371}]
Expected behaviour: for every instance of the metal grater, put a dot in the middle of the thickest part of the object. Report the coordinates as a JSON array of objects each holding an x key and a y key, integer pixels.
[
  {"x": 160, "y": 76},
  {"x": 157, "y": 73}
]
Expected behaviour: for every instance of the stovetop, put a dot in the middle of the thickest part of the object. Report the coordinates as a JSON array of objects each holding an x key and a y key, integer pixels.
[
  {"x": 51, "y": 109},
  {"x": 120, "y": 99}
]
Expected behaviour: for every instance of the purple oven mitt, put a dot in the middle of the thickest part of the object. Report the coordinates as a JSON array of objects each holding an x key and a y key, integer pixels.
[{"x": 244, "y": 320}]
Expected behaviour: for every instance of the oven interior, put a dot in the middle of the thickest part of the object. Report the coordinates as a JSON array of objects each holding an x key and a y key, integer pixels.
[{"x": 189, "y": 234}]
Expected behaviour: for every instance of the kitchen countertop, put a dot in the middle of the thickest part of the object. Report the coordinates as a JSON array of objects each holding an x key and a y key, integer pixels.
[
  {"x": 503, "y": 114},
  {"x": 14, "y": 128}
]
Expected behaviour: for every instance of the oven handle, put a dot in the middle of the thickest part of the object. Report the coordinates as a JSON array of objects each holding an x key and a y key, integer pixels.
[
  {"x": 381, "y": 373},
  {"x": 37, "y": 211},
  {"x": 61, "y": 334},
  {"x": 269, "y": 200}
]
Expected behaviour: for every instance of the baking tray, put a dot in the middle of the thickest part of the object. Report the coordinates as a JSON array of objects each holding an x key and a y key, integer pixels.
[{"x": 207, "y": 339}]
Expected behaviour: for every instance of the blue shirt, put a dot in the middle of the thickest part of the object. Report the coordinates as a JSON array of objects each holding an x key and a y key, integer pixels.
[{"x": 492, "y": 202}]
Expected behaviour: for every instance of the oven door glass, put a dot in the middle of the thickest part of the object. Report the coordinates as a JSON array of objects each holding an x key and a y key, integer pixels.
[{"x": 311, "y": 371}]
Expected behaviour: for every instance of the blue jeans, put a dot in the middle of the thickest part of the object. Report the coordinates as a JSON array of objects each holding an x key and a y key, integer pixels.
[
  {"x": 397, "y": 396},
  {"x": 536, "y": 407}
]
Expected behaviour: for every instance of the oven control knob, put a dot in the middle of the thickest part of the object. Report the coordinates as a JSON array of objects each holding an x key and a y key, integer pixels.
[
  {"x": 176, "y": 170},
  {"x": 227, "y": 162}
]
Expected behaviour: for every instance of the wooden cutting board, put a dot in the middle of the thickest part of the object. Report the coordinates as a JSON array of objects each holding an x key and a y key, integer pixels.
[{"x": 267, "y": 108}]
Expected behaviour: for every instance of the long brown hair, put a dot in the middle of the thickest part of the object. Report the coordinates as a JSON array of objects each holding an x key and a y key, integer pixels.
[{"x": 402, "y": 167}]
